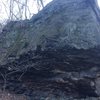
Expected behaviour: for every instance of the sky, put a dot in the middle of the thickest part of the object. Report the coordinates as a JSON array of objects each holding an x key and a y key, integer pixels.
[
  {"x": 32, "y": 7},
  {"x": 98, "y": 3}
]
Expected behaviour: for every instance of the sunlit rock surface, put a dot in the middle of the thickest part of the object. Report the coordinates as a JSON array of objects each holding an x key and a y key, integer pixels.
[{"x": 55, "y": 54}]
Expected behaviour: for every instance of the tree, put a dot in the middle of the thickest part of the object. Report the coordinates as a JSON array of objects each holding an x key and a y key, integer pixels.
[{"x": 20, "y": 9}]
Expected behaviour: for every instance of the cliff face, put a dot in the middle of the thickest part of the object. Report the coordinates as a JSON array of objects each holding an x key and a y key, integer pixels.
[
  {"x": 73, "y": 23},
  {"x": 55, "y": 54}
]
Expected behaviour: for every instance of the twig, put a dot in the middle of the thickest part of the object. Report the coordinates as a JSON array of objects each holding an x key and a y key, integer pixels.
[
  {"x": 5, "y": 81},
  {"x": 22, "y": 75}
]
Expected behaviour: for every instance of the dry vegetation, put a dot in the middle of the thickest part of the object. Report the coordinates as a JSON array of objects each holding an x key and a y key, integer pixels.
[{"x": 11, "y": 96}]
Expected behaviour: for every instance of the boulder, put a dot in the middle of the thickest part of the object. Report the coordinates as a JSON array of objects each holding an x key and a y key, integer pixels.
[
  {"x": 55, "y": 54},
  {"x": 62, "y": 23}
]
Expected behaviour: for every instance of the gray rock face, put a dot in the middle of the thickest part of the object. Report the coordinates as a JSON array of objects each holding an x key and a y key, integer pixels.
[
  {"x": 61, "y": 23},
  {"x": 73, "y": 21},
  {"x": 55, "y": 55}
]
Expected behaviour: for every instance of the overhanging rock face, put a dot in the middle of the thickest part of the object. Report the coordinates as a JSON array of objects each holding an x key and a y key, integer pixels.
[{"x": 61, "y": 23}]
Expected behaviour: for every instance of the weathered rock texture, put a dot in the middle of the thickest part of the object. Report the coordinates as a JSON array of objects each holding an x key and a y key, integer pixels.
[
  {"x": 60, "y": 23},
  {"x": 57, "y": 51}
]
